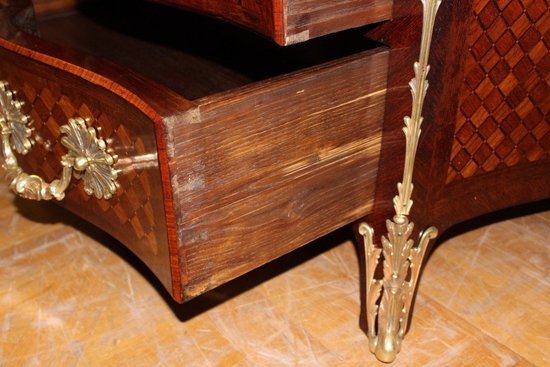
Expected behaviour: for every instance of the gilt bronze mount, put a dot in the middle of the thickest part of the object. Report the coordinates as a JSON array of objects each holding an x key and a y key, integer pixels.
[
  {"x": 86, "y": 159},
  {"x": 388, "y": 300}
]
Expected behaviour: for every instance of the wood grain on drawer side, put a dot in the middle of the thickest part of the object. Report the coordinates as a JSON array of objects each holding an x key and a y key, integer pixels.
[
  {"x": 263, "y": 170},
  {"x": 307, "y": 19}
]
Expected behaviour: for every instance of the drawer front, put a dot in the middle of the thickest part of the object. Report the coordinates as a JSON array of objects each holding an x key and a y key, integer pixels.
[
  {"x": 135, "y": 213},
  {"x": 260, "y": 171}
]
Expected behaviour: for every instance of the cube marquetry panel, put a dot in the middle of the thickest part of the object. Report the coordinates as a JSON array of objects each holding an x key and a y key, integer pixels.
[
  {"x": 134, "y": 214},
  {"x": 503, "y": 116}
]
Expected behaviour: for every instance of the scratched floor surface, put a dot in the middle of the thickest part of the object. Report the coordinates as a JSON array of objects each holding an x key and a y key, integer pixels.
[{"x": 72, "y": 296}]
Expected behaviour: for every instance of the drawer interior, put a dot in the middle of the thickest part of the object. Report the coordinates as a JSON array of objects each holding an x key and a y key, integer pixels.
[{"x": 191, "y": 54}]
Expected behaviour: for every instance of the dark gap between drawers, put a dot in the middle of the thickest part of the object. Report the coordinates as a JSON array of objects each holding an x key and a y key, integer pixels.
[{"x": 192, "y": 54}]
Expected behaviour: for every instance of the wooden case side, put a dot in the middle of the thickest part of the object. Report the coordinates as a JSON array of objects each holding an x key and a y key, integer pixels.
[
  {"x": 441, "y": 197},
  {"x": 504, "y": 101},
  {"x": 498, "y": 149}
]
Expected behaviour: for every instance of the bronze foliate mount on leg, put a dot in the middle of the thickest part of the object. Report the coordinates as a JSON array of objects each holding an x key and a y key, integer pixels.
[{"x": 388, "y": 300}]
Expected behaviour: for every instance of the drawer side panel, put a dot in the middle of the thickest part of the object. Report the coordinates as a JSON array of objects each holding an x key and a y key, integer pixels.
[
  {"x": 307, "y": 19},
  {"x": 264, "y": 170}
]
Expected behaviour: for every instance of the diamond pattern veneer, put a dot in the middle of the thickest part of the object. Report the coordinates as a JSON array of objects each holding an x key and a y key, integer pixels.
[
  {"x": 133, "y": 211},
  {"x": 503, "y": 115}
]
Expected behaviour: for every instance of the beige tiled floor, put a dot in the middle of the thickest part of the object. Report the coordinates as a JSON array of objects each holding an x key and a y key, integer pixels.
[{"x": 72, "y": 296}]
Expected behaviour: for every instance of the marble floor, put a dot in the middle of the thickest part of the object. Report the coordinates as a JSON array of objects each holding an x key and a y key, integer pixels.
[{"x": 72, "y": 296}]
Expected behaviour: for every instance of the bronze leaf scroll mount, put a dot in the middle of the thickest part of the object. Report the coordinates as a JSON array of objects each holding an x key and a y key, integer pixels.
[
  {"x": 86, "y": 159},
  {"x": 388, "y": 300}
]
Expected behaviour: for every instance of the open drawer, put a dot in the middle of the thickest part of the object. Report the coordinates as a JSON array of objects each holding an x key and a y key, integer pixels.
[
  {"x": 227, "y": 151},
  {"x": 291, "y": 21},
  {"x": 284, "y": 21}
]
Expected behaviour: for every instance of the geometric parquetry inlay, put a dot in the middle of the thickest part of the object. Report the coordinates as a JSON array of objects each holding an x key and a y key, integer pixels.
[
  {"x": 503, "y": 116},
  {"x": 131, "y": 207}
]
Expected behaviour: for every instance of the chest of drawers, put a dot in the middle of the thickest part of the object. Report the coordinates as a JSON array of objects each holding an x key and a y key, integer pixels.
[{"x": 210, "y": 151}]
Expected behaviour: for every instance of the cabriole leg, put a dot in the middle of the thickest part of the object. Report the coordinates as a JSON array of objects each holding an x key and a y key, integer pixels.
[{"x": 388, "y": 300}]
